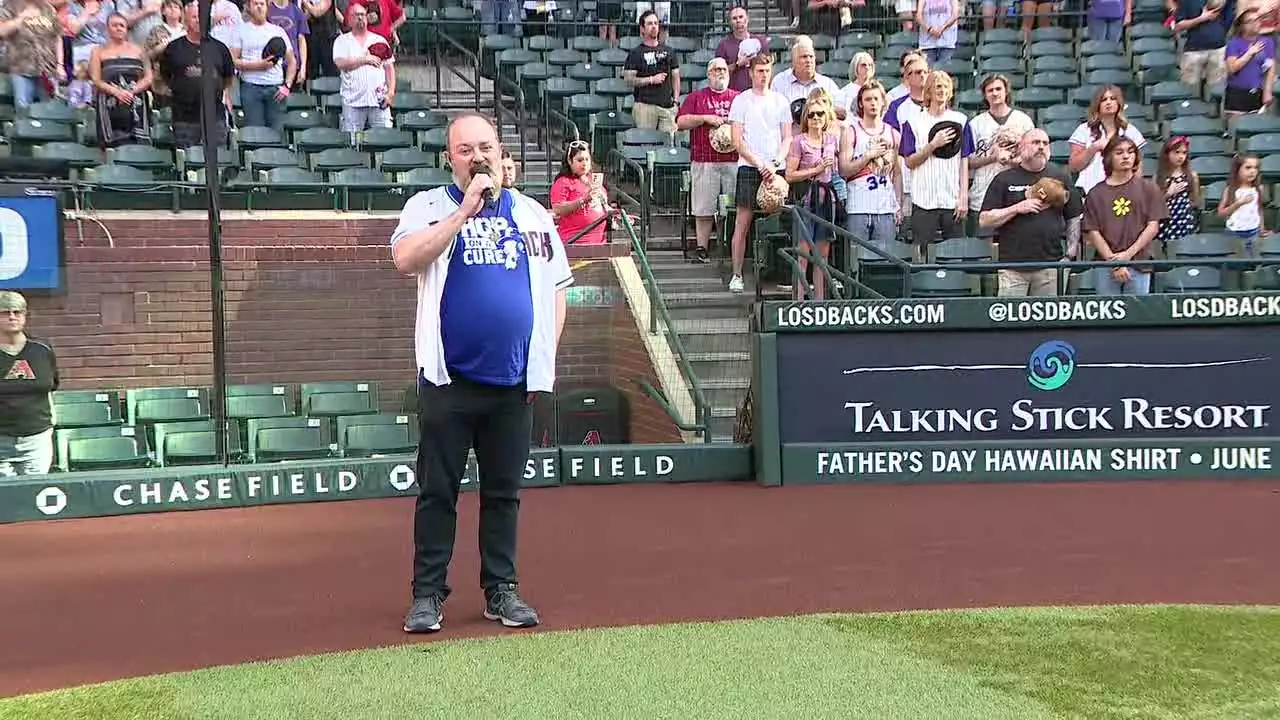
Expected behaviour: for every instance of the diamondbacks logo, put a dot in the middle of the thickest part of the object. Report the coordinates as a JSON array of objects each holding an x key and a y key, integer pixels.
[
  {"x": 592, "y": 438},
  {"x": 21, "y": 370}
]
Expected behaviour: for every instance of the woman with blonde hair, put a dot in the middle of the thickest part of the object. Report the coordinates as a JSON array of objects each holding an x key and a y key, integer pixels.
[
  {"x": 936, "y": 143},
  {"x": 862, "y": 70},
  {"x": 811, "y": 167},
  {"x": 1103, "y": 122}
]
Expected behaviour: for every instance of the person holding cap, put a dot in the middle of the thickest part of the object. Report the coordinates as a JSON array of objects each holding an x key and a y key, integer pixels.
[
  {"x": 492, "y": 276},
  {"x": 713, "y": 173},
  {"x": 28, "y": 377},
  {"x": 265, "y": 81},
  {"x": 368, "y": 73}
]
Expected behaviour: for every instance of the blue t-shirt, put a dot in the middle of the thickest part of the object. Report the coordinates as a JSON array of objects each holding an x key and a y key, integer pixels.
[{"x": 486, "y": 312}]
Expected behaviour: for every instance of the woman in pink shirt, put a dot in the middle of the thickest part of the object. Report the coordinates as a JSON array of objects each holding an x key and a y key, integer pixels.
[{"x": 578, "y": 197}]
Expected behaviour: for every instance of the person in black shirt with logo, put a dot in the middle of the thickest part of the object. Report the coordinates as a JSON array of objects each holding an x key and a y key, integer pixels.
[
  {"x": 28, "y": 374},
  {"x": 653, "y": 70},
  {"x": 1029, "y": 229},
  {"x": 180, "y": 63}
]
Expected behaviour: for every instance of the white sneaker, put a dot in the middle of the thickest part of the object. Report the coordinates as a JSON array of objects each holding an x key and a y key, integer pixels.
[
  {"x": 795, "y": 23},
  {"x": 736, "y": 285}
]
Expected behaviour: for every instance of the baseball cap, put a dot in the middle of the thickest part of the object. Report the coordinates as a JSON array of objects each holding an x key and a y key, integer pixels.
[
  {"x": 380, "y": 50},
  {"x": 10, "y": 300}
]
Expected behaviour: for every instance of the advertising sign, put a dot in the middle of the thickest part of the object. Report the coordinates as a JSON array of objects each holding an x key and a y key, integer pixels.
[{"x": 31, "y": 241}]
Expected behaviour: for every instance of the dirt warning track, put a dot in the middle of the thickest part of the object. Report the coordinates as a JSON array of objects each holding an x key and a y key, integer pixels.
[{"x": 85, "y": 601}]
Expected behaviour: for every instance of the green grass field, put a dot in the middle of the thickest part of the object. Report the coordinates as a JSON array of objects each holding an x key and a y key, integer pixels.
[{"x": 1175, "y": 662}]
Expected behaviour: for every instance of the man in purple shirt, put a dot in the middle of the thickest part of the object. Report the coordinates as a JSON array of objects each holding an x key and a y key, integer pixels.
[{"x": 739, "y": 47}]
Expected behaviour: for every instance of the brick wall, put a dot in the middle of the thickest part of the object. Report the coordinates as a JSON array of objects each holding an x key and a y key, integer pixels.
[{"x": 309, "y": 297}]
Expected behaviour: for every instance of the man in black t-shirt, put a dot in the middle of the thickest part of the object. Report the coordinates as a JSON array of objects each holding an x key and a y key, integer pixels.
[
  {"x": 28, "y": 374},
  {"x": 1029, "y": 230},
  {"x": 181, "y": 64},
  {"x": 653, "y": 70}
]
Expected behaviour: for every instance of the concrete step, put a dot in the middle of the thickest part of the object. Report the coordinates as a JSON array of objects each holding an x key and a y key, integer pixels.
[
  {"x": 682, "y": 284},
  {"x": 720, "y": 364},
  {"x": 725, "y": 391},
  {"x": 712, "y": 335},
  {"x": 707, "y": 306}
]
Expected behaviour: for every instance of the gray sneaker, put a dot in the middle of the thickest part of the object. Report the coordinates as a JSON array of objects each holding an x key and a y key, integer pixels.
[
  {"x": 425, "y": 615},
  {"x": 504, "y": 605}
]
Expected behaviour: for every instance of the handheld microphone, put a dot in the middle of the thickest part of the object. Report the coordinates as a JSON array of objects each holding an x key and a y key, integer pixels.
[{"x": 482, "y": 168}]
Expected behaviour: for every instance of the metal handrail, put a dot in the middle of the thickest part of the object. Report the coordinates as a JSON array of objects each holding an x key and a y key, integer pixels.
[
  {"x": 517, "y": 94},
  {"x": 658, "y": 309},
  {"x": 643, "y": 202},
  {"x": 800, "y": 217},
  {"x": 566, "y": 124},
  {"x": 467, "y": 53}
]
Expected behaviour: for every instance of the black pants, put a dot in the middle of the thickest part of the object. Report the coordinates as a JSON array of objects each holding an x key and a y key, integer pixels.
[{"x": 496, "y": 422}]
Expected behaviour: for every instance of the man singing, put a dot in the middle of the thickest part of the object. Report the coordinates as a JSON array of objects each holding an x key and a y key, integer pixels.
[{"x": 492, "y": 276}]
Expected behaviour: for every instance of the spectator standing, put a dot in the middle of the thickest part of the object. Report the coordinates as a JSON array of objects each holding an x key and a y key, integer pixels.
[
  {"x": 226, "y": 18},
  {"x": 739, "y": 46},
  {"x": 1181, "y": 186},
  {"x": 578, "y": 198},
  {"x": 822, "y": 17},
  {"x": 1122, "y": 215},
  {"x": 324, "y": 24},
  {"x": 502, "y": 261},
  {"x": 368, "y": 81},
  {"x": 1028, "y": 229},
  {"x": 812, "y": 163},
  {"x": 1109, "y": 18},
  {"x": 143, "y": 16},
  {"x": 936, "y": 144},
  {"x": 1204, "y": 41},
  {"x": 160, "y": 37},
  {"x": 33, "y": 34},
  {"x": 289, "y": 16},
  {"x": 939, "y": 28},
  {"x": 1241, "y": 202},
  {"x": 869, "y": 159},
  {"x": 608, "y": 14},
  {"x": 908, "y": 105},
  {"x": 712, "y": 173},
  {"x": 500, "y": 17},
  {"x": 1251, "y": 67},
  {"x": 796, "y": 82},
  {"x": 266, "y": 72},
  {"x": 903, "y": 88},
  {"x": 1103, "y": 122},
  {"x": 121, "y": 74},
  {"x": 996, "y": 133},
  {"x": 87, "y": 22},
  {"x": 761, "y": 122},
  {"x": 862, "y": 70},
  {"x": 180, "y": 61},
  {"x": 1035, "y": 12},
  {"x": 509, "y": 174},
  {"x": 28, "y": 378},
  {"x": 653, "y": 70}
]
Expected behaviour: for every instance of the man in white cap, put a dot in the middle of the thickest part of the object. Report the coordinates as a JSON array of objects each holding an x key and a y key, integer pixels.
[
  {"x": 28, "y": 376},
  {"x": 712, "y": 173}
]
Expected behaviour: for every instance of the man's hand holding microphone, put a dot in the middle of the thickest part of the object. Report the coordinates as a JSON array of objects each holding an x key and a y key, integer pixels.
[{"x": 481, "y": 191}]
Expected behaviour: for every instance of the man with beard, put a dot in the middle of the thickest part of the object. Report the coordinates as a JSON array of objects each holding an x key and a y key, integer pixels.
[
  {"x": 713, "y": 173},
  {"x": 1027, "y": 229},
  {"x": 653, "y": 70}
]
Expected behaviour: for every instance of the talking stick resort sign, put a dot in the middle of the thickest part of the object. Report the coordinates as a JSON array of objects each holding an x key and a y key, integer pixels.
[{"x": 1102, "y": 405}]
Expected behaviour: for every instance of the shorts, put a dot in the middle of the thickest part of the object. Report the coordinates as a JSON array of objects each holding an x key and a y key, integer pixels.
[
  {"x": 930, "y": 226},
  {"x": 905, "y": 6},
  {"x": 709, "y": 181},
  {"x": 662, "y": 8},
  {"x": 879, "y": 230},
  {"x": 1242, "y": 100},
  {"x": 654, "y": 117},
  {"x": 746, "y": 187},
  {"x": 1203, "y": 66}
]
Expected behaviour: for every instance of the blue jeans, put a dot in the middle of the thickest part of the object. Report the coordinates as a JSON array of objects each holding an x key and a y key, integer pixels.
[
  {"x": 260, "y": 106},
  {"x": 26, "y": 90},
  {"x": 1107, "y": 284},
  {"x": 1109, "y": 30},
  {"x": 500, "y": 17},
  {"x": 937, "y": 55}
]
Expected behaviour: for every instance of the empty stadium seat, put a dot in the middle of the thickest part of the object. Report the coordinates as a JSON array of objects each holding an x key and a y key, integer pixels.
[
  {"x": 296, "y": 438},
  {"x": 377, "y": 434},
  {"x": 192, "y": 443},
  {"x": 99, "y": 448}
]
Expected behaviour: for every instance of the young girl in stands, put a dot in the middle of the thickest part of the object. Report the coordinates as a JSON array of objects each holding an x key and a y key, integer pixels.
[
  {"x": 1104, "y": 120},
  {"x": 1181, "y": 186},
  {"x": 1241, "y": 202}
]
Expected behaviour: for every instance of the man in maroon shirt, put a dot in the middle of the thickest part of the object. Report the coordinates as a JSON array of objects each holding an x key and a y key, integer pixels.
[
  {"x": 712, "y": 173},
  {"x": 739, "y": 47}
]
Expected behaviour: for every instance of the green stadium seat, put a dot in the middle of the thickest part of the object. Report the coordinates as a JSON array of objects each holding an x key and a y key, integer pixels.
[
  {"x": 1268, "y": 247},
  {"x": 985, "y": 50},
  {"x": 1060, "y": 129},
  {"x": 138, "y": 413},
  {"x": 1106, "y": 61},
  {"x": 1168, "y": 93},
  {"x": 410, "y": 102},
  {"x": 589, "y": 72},
  {"x": 295, "y": 438},
  {"x": 1052, "y": 63},
  {"x": 1084, "y": 282},
  {"x": 1122, "y": 79},
  {"x": 426, "y": 178},
  {"x": 565, "y": 57},
  {"x": 490, "y": 47},
  {"x": 960, "y": 250},
  {"x": 941, "y": 283},
  {"x": 434, "y": 141},
  {"x": 610, "y": 57},
  {"x": 421, "y": 120},
  {"x": 295, "y": 121},
  {"x": 1202, "y": 145},
  {"x": 74, "y": 154},
  {"x": 1212, "y": 169},
  {"x": 143, "y": 157},
  {"x": 401, "y": 160},
  {"x": 269, "y": 158},
  {"x": 86, "y": 414},
  {"x": 72, "y": 397},
  {"x": 246, "y": 407},
  {"x": 589, "y": 44},
  {"x": 192, "y": 159},
  {"x": 1061, "y": 112},
  {"x": 543, "y": 44},
  {"x": 1197, "y": 125},
  {"x": 335, "y": 159},
  {"x": 637, "y": 137},
  {"x": 1264, "y": 144},
  {"x": 253, "y": 137},
  {"x": 1183, "y": 108},
  {"x": 377, "y": 140},
  {"x": 1204, "y": 246},
  {"x": 100, "y": 448},
  {"x": 1052, "y": 34},
  {"x": 1266, "y": 277},
  {"x": 333, "y": 404},
  {"x": 1036, "y": 97},
  {"x": 1186, "y": 279},
  {"x": 1055, "y": 80},
  {"x": 192, "y": 443},
  {"x": 301, "y": 101},
  {"x": 28, "y": 132},
  {"x": 1002, "y": 35},
  {"x": 1045, "y": 48},
  {"x": 323, "y": 86},
  {"x": 1147, "y": 45},
  {"x": 378, "y": 434},
  {"x": 318, "y": 139}
]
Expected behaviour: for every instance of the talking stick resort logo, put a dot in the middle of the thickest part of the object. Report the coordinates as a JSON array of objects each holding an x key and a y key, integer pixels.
[{"x": 1050, "y": 367}]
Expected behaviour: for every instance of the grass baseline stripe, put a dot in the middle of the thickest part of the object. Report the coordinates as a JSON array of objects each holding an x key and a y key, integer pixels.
[{"x": 1100, "y": 663}]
